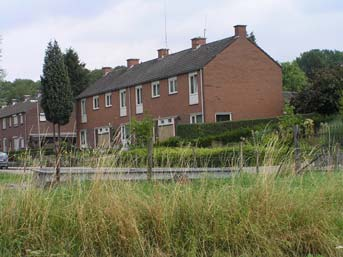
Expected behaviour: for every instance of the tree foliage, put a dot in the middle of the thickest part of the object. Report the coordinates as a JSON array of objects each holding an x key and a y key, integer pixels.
[
  {"x": 77, "y": 73},
  {"x": 17, "y": 89},
  {"x": 293, "y": 78},
  {"x": 57, "y": 97},
  {"x": 315, "y": 60},
  {"x": 142, "y": 130},
  {"x": 324, "y": 93}
]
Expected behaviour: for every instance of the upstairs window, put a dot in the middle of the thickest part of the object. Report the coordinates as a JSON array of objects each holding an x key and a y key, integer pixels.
[
  {"x": 172, "y": 85},
  {"x": 21, "y": 118},
  {"x": 193, "y": 88},
  {"x": 122, "y": 101},
  {"x": 108, "y": 99},
  {"x": 15, "y": 120},
  {"x": 155, "y": 89},
  {"x": 42, "y": 117},
  {"x": 4, "y": 123},
  {"x": 96, "y": 105},
  {"x": 83, "y": 111},
  {"x": 139, "y": 100},
  {"x": 9, "y": 121}
]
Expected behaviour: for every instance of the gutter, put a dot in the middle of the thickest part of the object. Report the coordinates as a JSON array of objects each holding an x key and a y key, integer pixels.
[{"x": 202, "y": 95}]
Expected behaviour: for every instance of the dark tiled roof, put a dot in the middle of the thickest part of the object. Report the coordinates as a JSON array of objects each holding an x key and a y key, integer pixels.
[
  {"x": 175, "y": 64},
  {"x": 20, "y": 107}
]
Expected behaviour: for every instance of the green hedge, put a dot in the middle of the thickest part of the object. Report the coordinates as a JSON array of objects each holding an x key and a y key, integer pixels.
[{"x": 192, "y": 131}]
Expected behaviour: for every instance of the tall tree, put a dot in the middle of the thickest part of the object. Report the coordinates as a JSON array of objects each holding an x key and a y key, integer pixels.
[
  {"x": 324, "y": 93},
  {"x": 314, "y": 60},
  {"x": 293, "y": 78},
  {"x": 78, "y": 74},
  {"x": 57, "y": 96}
]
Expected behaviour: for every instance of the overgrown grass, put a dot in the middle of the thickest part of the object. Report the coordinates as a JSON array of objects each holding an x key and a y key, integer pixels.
[{"x": 246, "y": 215}]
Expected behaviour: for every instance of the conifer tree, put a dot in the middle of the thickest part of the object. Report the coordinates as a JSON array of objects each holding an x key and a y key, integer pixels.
[
  {"x": 78, "y": 74},
  {"x": 57, "y": 97}
]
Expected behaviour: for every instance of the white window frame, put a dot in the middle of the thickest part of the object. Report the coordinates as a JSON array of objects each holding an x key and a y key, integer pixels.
[
  {"x": 42, "y": 117},
  {"x": 85, "y": 144},
  {"x": 193, "y": 96},
  {"x": 22, "y": 143},
  {"x": 96, "y": 99},
  {"x": 172, "y": 82},
  {"x": 9, "y": 122},
  {"x": 21, "y": 118},
  {"x": 222, "y": 113},
  {"x": 4, "y": 123},
  {"x": 193, "y": 118},
  {"x": 155, "y": 89},
  {"x": 108, "y": 100},
  {"x": 83, "y": 111},
  {"x": 4, "y": 145},
  {"x": 122, "y": 102},
  {"x": 124, "y": 137},
  {"x": 15, "y": 120},
  {"x": 139, "y": 99},
  {"x": 16, "y": 143}
]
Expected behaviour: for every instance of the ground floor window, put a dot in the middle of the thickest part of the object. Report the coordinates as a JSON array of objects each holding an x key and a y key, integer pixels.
[
  {"x": 83, "y": 139},
  {"x": 124, "y": 134},
  {"x": 196, "y": 118},
  {"x": 223, "y": 116}
]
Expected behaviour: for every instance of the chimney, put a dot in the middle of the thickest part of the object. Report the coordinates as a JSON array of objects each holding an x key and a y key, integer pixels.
[
  {"x": 14, "y": 101},
  {"x": 162, "y": 52},
  {"x": 241, "y": 31},
  {"x": 106, "y": 70},
  {"x": 26, "y": 98},
  {"x": 198, "y": 41},
  {"x": 132, "y": 62}
]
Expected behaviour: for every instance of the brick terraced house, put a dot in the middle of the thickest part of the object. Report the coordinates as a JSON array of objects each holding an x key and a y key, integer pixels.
[
  {"x": 23, "y": 126},
  {"x": 229, "y": 79}
]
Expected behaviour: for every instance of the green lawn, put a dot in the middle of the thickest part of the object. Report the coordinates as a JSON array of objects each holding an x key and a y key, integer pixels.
[{"x": 247, "y": 215}]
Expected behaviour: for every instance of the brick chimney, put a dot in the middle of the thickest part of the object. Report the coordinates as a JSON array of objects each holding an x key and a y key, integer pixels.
[
  {"x": 106, "y": 70},
  {"x": 162, "y": 52},
  {"x": 132, "y": 62},
  {"x": 198, "y": 41},
  {"x": 241, "y": 31},
  {"x": 26, "y": 98}
]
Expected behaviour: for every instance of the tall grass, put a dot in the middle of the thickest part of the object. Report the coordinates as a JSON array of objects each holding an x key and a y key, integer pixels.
[{"x": 246, "y": 215}]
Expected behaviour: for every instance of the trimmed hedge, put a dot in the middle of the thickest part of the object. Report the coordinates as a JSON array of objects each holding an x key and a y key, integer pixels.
[{"x": 192, "y": 131}]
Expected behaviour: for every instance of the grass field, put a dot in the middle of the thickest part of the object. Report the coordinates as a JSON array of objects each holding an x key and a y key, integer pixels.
[{"x": 247, "y": 215}]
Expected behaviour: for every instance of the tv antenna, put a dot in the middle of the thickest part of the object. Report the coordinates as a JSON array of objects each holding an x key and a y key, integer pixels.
[
  {"x": 205, "y": 27},
  {"x": 165, "y": 24}
]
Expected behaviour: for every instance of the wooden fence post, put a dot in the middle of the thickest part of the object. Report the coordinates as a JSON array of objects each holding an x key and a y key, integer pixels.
[
  {"x": 297, "y": 159},
  {"x": 338, "y": 156},
  {"x": 150, "y": 160},
  {"x": 241, "y": 156}
]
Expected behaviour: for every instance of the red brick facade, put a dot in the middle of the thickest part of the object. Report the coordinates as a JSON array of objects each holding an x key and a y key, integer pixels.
[
  {"x": 242, "y": 80},
  {"x": 26, "y": 133}
]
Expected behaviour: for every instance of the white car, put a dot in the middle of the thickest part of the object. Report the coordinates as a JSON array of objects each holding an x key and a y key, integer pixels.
[{"x": 3, "y": 160}]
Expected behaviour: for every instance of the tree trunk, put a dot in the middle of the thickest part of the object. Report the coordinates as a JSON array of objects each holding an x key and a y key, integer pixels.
[{"x": 58, "y": 160}]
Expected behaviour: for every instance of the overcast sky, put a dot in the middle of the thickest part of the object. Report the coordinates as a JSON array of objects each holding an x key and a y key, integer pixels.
[{"x": 107, "y": 32}]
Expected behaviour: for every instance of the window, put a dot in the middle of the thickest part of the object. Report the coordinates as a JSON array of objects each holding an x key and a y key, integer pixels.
[
  {"x": 4, "y": 123},
  {"x": 9, "y": 121},
  {"x": 96, "y": 105},
  {"x": 155, "y": 89},
  {"x": 124, "y": 134},
  {"x": 21, "y": 118},
  {"x": 139, "y": 100},
  {"x": 83, "y": 139},
  {"x": 83, "y": 111},
  {"x": 193, "y": 88},
  {"x": 42, "y": 117},
  {"x": 223, "y": 116},
  {"x": 22, "y": 143},
  {"x": 15, "y": 120},
  {"x": 196, "y": 118},
  {"x": 165, "y": 122},
  {"x": 108, "y": 99},
  {"x": 4, "y": 144},
  {"x": 172, "y": 85},
  {"x": 122, "y": 100}
]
